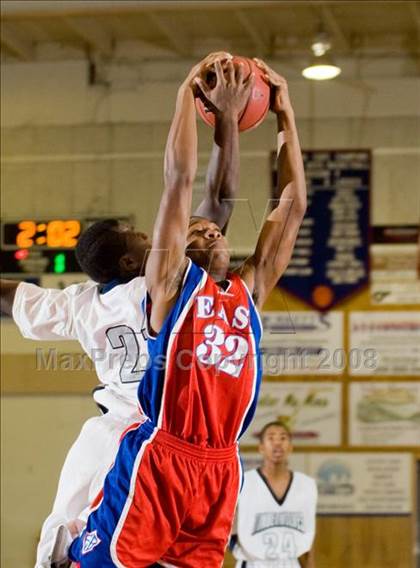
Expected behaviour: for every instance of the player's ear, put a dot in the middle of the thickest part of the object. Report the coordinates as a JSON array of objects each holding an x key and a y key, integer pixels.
[{"x": 128, "y": 264}]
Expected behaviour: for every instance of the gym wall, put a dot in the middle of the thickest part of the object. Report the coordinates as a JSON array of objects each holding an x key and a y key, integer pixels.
[{"x": 71, "y": 149}]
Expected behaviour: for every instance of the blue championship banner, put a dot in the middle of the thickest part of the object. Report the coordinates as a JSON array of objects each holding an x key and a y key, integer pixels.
[{"x": 331, "y": 257}]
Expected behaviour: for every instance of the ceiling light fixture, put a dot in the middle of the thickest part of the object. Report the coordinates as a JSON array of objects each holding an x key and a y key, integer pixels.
[{"x": 322, "y": 67}]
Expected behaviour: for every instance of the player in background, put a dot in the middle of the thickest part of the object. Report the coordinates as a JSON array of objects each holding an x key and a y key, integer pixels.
[
  {"x": 276, "y": 512},
  {"x": 105, "y": 315},
  {"x": 171, "y": 494}
]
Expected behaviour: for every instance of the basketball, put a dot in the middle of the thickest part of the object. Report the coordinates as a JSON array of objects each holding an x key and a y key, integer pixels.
[{"x": 258, "y": 103}]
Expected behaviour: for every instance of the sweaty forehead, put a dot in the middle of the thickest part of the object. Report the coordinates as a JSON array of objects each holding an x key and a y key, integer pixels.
[{"x": 202, "y": 223}]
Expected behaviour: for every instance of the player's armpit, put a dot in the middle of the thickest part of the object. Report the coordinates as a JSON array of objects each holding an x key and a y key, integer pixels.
[
  {"x": 264, "y": 268},
  {"x": 164, "y": 297}
]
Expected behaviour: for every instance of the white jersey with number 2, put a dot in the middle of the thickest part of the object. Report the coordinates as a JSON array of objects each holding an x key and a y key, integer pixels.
[
  {"x": 109, "y": 327},
  {"x": 108, "y": 323},
  {"x": 271, "y": 532}
]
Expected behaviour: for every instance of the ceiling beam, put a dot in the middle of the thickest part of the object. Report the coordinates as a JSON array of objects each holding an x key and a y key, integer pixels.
[
  {"x": 334, "y": 28},
  {"x": 92, "y": 33},
  {"x": 175, "y": 38},
  {"x": 253, "y": 32},
  {"x": 48, "y": 8},
  {"x": 415, "y": 14},
  {"x": 12, "y": 39}
]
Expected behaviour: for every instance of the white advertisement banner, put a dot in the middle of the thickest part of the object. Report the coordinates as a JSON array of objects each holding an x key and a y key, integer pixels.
[
  {"x": 385, "y": 414},
  {"x": 312, "y": 411},
  {"x": 363, "y": 483},
  {"x": 354, "y": 483},
  {"x": 303, "y": 343},
  {"x": 389, "y": 293},
  {"x": 385, "y": 343},
  {"x": 394, "y": 273}
]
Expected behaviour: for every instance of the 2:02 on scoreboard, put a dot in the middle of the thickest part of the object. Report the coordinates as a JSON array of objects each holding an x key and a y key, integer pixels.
[{"x": 56, "y": 233}]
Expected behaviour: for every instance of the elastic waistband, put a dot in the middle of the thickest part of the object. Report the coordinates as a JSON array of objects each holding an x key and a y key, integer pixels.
[{"x": 191, "y": 450}]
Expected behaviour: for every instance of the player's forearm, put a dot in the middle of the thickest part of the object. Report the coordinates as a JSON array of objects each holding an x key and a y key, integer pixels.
[
  {"x": 7, "y": 295},
  {"x": 180, "y": 167},
  {"x": 181, "y": 147},
  {"x": 291, "y": 176},
  {"x": 171, "y": 225},
  {"x": 222, "y": 179},
  {"x": 278, "y": 236}
]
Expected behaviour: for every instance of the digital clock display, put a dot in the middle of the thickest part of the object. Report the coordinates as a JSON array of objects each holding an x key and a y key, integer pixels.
[{"x": 56, "y": 233}]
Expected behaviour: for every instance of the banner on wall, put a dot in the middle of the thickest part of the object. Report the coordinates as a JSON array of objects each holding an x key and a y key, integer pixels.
[
  {"x": 389, "y": 343},
  {"x": 395, "y": 265},
  {"x": 302, "y": 343},
  {"x": 330, "y": 259},
  {"x": 363, "y": 483},
  {"x": 384, "y": 414},
  {"x": 312, "y": 411},
  {"x": 354, "y": 483}
]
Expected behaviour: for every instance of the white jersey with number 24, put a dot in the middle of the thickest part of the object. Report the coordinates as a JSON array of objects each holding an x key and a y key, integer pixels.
[{"x": 273, "y": 533}]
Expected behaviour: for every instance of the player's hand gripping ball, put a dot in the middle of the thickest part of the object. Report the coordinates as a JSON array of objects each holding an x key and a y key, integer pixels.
[{"x": 255, "y": 109}]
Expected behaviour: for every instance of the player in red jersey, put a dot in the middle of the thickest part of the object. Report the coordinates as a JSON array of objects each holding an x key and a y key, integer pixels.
[{"x": 171, "y": 494}]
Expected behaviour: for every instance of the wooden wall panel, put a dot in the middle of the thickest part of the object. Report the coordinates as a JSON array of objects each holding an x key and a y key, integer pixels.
[
  {"x": 19, "y": 376},
  {"x": 360, "y": 542}
]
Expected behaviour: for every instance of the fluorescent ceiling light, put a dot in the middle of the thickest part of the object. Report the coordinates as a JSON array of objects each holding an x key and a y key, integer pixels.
[
  {"x": 322, "y": 67},
  {"x": 319, "y": 71}
]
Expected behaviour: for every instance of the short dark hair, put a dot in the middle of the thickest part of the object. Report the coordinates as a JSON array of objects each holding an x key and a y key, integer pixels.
[
  {"x": 99, "y": 250},
  {"x": 277, "y": 423}
]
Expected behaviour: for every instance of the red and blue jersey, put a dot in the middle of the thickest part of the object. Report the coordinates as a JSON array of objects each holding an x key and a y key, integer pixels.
[
  {"x": 171, "y": 494},
  {"x": 204, "y": 367}
]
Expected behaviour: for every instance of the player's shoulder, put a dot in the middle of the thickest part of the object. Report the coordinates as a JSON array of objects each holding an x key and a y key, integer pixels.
[
  {"x": 251, "y": 476},
  {"x": 137, "y": 284},
  {"x": 304, "y": 481},
  {"x": 28, "y": 289},
  {"x": 135, "y": 287},
  {"x": 80, "y": 288}
]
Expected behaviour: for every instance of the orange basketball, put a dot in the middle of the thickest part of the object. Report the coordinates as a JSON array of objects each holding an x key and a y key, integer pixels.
[{"x": 258, "y": 103}]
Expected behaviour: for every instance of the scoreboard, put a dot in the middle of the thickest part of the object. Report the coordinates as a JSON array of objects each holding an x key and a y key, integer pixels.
[{"x": 38, "y": 246}]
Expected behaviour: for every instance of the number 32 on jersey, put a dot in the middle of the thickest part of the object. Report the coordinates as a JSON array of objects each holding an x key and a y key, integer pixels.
[{"x": 226, "y": 352}]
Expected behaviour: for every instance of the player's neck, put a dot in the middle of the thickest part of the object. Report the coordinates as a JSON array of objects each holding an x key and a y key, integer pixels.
[
  {"x": 275, "y": 470},
  {"x": 218, "y": 275}
]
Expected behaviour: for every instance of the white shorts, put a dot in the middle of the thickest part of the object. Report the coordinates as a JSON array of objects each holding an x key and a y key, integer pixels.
[{"x": 82, "y": 476}]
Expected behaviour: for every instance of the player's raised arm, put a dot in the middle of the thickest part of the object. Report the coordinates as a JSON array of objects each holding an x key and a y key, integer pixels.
[
  {"x": 222, "y": 179},
  {"x": 167, "y": 260},
  {"x": 40, "y": 313},
  {"x": 277, "y": 239}
]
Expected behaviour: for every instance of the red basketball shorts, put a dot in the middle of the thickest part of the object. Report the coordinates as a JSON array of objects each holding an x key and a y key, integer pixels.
[{"x": 176, "y": 508}]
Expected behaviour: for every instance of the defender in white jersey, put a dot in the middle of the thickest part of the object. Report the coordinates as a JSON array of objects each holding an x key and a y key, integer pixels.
[
  {"x": 105, "y": 316},
  {"x": 108, "y": 325},
  {"x": 275, "y": 517}
]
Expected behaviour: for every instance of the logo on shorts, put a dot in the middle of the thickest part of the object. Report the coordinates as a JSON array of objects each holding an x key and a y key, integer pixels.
[{"x": 90, "y": 541}]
